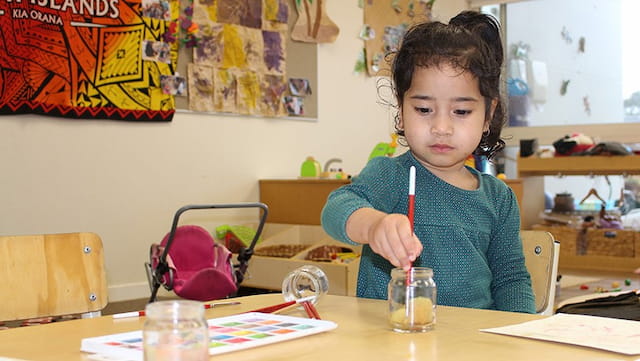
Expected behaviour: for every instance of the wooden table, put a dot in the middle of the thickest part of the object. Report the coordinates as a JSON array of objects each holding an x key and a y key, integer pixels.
[{"x": 362, "y": 334}]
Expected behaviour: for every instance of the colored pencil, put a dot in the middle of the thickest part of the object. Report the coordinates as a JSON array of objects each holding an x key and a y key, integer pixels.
[{"x": 142, "y": 313}]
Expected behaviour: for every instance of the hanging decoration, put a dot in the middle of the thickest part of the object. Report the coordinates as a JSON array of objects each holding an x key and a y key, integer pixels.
[
  {"x": 63, "y": 59},
  {"x": 313, "y": 24}
]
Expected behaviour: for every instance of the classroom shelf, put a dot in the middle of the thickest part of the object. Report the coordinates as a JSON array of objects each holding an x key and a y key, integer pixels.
[{"x": 578, "y": 165}]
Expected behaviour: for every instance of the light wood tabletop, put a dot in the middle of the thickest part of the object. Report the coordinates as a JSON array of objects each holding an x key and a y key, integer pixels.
[{"x": 362, "y": 334}]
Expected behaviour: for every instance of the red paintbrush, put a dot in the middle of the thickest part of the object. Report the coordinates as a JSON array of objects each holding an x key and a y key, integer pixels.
[
  {"x": 410, "y": 211},
  {"x": 274, "y": 308}
]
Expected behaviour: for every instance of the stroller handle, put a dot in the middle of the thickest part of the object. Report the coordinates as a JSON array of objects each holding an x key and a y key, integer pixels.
[{"x": 176, "y": 218}]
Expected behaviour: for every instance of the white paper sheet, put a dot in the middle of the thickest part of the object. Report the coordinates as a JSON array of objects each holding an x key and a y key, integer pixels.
[{"x": 611, "y": 334}]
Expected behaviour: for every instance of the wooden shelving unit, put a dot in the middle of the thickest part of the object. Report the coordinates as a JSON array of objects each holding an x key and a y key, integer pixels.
[
  {"x": 578, "y": 165},
  {"x": 531, "y": 169}
]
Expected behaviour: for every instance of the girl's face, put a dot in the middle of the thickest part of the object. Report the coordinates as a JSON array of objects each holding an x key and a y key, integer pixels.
[{"x": 443, "y": 117}]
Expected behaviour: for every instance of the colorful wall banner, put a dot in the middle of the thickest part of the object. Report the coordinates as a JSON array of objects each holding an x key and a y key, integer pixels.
[{"x": 86, "y": 59}]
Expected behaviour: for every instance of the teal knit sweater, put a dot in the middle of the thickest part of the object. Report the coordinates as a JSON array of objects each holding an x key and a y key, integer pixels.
[{"x": 471, "y": 239}]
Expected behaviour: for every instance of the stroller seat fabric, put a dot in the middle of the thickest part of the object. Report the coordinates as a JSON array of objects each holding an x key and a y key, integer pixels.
[{"x": 199, "y": 268}]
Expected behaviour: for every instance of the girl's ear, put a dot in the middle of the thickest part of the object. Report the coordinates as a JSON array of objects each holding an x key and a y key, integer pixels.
[
  {"x": 400, "y": 117},
  {"x": 492, "y": 110}
]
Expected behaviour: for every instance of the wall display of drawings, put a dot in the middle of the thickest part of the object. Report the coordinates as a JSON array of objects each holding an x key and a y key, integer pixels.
[
  {"x": 86, "y": 59},
  {"x": 385, "y": 22},
  {"x": 239, "y": 64}
]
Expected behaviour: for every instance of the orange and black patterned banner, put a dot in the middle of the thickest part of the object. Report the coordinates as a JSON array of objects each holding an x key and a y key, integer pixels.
[{"x": 83, "y": 59}]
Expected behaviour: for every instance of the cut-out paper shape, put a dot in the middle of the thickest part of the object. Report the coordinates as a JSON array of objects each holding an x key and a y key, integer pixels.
[
  {"x": 367, "y": 32},
  {"x": 156, "y": 9},
  {"x": 173, "y": 85},
  {"x": 294, "y": 105},
  {"x": 200, "y": 78},
  {"x": 248, "y": 92},
  {"x": 299, "y": 87},
  {"x": 272, "y": 88},
  {"x": 361, "y": 63},
  {"x": 234, "y": 55},
  {"x": 392, "y": 37},
  {"x": 211, "y": 49},
  {"x": 225, "y": 91},
  {"x": 276, "y": 10},
  {"x": 156, "y": 51},
  {"x": 241, "y": 12},
  {"x": 564, "y": 87},
  {"x": 274, "y": 51},
  {"x": 313, "y": 25},
  {"x": 566, "y": 36},
  {"x": 587, "y": 104}
]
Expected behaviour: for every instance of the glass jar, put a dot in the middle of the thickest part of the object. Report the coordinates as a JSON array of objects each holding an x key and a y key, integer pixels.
[
  {"x": 412, "y": 300},
  {"x": 303, "y": 282},
  {"x": 175, "y": 331}
]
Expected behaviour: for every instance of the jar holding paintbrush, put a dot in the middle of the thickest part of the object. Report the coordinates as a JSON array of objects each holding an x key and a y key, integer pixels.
[{"x": 412, "y": 300}]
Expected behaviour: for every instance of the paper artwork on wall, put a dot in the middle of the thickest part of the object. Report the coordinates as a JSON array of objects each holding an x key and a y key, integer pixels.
[
  {"x": 201, "y": 88},
  {"x": 294, "y": 105},
  {"x": 272, "y": 91},
  {"x": 389, "y": 21},
  {"x": 299, "y": 87},
  {"x": 156, "y": 9},
  {"x": 173, "y": 85},
  {"x": 313, "y": 25},
  {"x": 248, "y": 62},
  {"x": 225, "y": 85}
]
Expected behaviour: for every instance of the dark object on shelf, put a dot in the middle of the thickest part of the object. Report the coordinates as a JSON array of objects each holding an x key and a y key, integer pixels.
[
  {"x": 563, "y": 202},
  {"x": 607, "y": 148},
  {"x": 528, "y": 147}
]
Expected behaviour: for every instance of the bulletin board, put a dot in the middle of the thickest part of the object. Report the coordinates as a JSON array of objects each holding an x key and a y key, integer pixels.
[
  {"x": 259, "y": 88},
  {"x": 387, "y": 21}
]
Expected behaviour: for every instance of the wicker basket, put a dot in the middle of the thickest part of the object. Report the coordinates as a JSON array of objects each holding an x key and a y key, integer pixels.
[
  {"x": 567, "y": 236},
  {"x": 611, "y": 242},
  {"x": 594, "y": 241}
]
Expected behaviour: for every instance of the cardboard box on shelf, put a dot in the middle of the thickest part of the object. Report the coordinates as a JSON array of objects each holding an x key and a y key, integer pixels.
[{"x": 268, "y": 272}]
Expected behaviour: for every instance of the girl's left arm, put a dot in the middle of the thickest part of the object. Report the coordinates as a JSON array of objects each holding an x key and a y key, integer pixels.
[{"x": 511, "y": 286}]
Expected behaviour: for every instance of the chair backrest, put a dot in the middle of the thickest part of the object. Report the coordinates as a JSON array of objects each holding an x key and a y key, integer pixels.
[
  {"x": 541, "y": 252},
  {"x": 51, "y": 275}
]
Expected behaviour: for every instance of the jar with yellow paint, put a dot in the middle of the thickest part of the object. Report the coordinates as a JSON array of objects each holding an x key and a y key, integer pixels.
[{"x": 412, "y": 300}]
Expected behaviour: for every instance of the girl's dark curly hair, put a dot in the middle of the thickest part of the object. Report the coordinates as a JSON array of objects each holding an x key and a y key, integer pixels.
[{"x": 470, "y": 42}]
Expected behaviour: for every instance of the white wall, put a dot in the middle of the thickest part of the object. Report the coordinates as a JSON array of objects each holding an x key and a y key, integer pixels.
[
  {"x": 125, "y": 180},
  {"x": 596, "y": 73}
]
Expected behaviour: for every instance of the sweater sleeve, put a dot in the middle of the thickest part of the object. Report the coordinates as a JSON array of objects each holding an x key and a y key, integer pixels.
[
  {"x": 372, "y": 188},
  {"x": 511, "y": 286}
]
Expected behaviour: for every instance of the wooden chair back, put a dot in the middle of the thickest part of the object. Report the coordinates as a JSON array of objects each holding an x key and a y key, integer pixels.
[
  {"x": 51, "y": 275},
  {"x": 541, "y": 253}
]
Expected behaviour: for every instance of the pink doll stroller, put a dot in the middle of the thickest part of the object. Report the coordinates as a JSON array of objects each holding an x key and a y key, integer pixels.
[{"x": 189, "y": 261}]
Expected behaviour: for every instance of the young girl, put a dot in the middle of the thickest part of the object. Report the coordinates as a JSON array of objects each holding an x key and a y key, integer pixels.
[{"x": 446, "y": 81}]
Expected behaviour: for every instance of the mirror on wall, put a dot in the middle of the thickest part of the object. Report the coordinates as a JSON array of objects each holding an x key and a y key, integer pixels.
[{"x": 571, "y": 64}]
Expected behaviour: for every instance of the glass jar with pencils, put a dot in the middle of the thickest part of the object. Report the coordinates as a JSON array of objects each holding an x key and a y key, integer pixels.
[
  {"x": 175, "y": 331},
  {"x": 412, "y": 300}
]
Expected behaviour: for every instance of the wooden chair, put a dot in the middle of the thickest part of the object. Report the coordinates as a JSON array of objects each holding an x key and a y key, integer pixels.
[
  {"x": 541, "y": 253},
  {"x": 52, "y": 275}
]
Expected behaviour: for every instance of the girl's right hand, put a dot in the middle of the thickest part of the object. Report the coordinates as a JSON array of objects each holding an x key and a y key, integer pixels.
[{"x": 391, "y": 237}]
